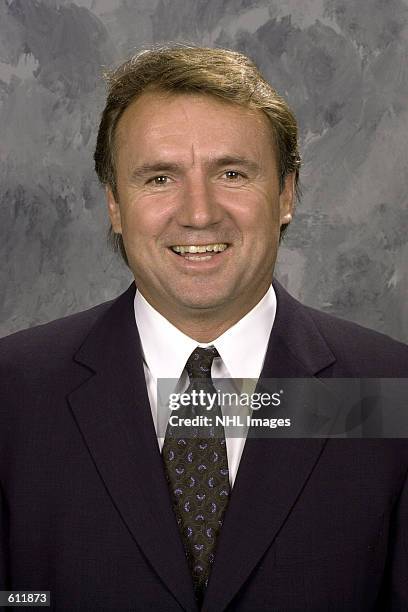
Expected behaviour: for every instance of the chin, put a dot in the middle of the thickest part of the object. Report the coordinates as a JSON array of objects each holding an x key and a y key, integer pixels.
[{"x": 202, "y": 301}]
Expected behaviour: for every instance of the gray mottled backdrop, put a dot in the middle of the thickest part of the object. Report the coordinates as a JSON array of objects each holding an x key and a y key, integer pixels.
[{"x": 342, "y": 64}]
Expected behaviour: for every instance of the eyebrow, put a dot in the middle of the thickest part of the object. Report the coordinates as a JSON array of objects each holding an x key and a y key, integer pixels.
[
  {"x": 146, "y": 169},
  {"x": 232, "y": 160},
  {"x": 160, "y": 167}
]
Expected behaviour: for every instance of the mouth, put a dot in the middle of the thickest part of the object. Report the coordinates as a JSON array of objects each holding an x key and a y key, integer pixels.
[{"x": 199, "y": 252}]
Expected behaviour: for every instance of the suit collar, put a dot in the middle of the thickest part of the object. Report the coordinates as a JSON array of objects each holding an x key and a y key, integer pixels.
[
  {"x": 113, "y": 413},
  {"x": 296, "y": 346}
]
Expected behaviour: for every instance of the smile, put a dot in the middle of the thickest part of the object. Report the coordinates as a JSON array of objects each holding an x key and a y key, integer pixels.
[
  {"x": 196, "y": 252},
  {"x": 203, "y": 257}
]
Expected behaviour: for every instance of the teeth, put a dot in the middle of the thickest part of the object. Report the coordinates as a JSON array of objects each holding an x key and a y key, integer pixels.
[{"x": 218, "y": 247}]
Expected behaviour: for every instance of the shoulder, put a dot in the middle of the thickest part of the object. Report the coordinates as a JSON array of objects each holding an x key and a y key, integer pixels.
[
  {"x": 356, "y": 350},
  {"x": 51, "y": 341},
  {"x": 367, "y": 352}
]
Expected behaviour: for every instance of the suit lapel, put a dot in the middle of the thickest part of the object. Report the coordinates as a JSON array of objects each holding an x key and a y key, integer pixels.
[
  {"x": 272, "y": 472},
  {"x": 113, "y": 413}
]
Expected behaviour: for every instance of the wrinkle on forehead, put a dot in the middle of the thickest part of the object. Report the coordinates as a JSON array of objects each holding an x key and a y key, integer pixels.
[{"x": 154, "y": 124}]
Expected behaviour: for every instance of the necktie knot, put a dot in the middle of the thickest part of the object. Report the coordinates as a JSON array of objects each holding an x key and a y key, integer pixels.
[{"x": 200, "y": 361}]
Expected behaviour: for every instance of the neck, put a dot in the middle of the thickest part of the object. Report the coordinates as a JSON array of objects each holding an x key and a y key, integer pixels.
[{"x": 206, "y": 325}]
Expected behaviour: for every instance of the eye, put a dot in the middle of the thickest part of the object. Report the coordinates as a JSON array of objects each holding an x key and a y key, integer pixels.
[
  {"x": 233, "y": 175},
  {"x": 159, "y": 180}
]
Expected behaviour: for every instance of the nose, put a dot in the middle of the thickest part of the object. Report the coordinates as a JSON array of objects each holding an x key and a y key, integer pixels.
[{"x": 198, "y": 206}]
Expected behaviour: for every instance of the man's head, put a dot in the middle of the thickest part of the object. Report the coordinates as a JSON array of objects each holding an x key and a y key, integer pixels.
[{"x": 195, "y": 149}]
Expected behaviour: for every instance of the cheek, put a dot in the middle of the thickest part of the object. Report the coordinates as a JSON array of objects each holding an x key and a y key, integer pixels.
[
  {"x": 146, "y": 219},
  {"x": 257, "y": 218},
  {"x": 259, "y": 227}
]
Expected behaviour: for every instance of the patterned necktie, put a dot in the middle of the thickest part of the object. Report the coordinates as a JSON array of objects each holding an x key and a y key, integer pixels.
[{"x": 197, "y": 474}]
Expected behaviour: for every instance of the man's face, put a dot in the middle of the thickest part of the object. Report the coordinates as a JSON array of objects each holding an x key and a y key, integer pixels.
[{"x": 193, "y": 171}]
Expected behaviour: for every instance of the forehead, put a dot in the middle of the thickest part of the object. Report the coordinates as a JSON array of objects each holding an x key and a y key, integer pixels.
[{"x": 170, "y": 121}]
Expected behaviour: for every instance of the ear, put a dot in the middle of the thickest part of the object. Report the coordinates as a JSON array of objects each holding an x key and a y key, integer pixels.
[
  {"x": 286, "y": 199},
  {"x": 113, "y": 210}
]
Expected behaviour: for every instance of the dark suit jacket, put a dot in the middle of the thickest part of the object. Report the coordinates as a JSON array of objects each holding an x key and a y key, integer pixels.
[{"x": 312, "y": 525}]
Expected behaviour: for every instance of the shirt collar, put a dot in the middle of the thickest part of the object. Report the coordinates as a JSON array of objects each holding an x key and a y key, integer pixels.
[{"x": 242, "y": 347}]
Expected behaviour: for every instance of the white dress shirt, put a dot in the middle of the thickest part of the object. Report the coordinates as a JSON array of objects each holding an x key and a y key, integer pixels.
[{"x": 242, "y": 350}]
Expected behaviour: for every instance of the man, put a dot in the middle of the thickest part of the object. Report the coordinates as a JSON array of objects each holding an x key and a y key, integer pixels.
[{"x": 198, "y": 155}]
